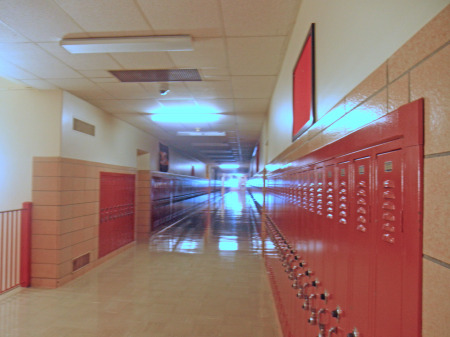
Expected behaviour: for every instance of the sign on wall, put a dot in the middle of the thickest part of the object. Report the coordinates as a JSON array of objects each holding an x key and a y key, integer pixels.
[
  {"x": 163, "y": 158},
  {"x": 303, "y": 88}
]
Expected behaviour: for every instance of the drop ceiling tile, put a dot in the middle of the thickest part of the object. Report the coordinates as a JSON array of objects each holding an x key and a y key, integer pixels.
[
  {"x": 196, "y": 17},
  {"x": 136, "y": 61},
  {"x": 253, "y": 86},
  {"x": 74, "y": 84},
  {"x": 182, "y": 103},
  {"x": 218, "y": 105},
  {"x": 255, "y": 55},
  {"x": 251, "y": 105},
  {"x": 178, "y": 90},
  {"x": 9, "y": 70},
  {"x": 105, "y": 15},
  {"x": 259, "y": 17},
  {"x": 207, "y": 53},
  {"x": 80, "y": 61},
  {"x": 40, "y": 64},
  {"x": 246, "y": 120},
  {"x": 127, "y": 106},
  {"x": 97, "y": 74},
  {"x": 38, "y": 20},
  {"x": 125, "y": 90},
  {"x": 89, "y": 95},
  {"x": 40, "y": 84},
  {"x": 104, "y": 80},
  {"x": 210, "y": 89},
  {"x": 8, "y": 35},
  {"x": 217, "y": 74}
]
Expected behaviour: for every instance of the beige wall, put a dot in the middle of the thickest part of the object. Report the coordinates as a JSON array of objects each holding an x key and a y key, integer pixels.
[
  {"x": 38, "y": 123},
  {"x": 29, "y": 127},
  {"x": 353, "y": 38},
  {"x": 418, "y": 68}
]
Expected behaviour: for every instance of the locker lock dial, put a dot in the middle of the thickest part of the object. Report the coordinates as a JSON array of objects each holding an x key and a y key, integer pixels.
[
  {"x": 354, "y": 333},
  {"x": 303, "y": 264},
  {"x": 337, "y": 313},
  {"x": 308, "y": 272},
  {"x": 315, "y": 283}
]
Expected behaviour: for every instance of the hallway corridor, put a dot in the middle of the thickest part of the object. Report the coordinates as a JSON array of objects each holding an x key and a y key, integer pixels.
[{"x": 202, "y": 277}]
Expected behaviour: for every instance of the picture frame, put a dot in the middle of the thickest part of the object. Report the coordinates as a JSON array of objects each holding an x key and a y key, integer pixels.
[{"x": 303, "y": 87}]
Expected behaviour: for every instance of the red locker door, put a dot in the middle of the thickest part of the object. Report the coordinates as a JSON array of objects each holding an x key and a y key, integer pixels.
[
  {"x": 338, "y": 299},
  {"x": 362, "y": 238},
  {"x": 389, "y": 244}
]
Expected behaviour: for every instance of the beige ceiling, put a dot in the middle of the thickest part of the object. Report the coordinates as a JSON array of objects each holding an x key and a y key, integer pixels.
[{"x": 238, "y": 50}]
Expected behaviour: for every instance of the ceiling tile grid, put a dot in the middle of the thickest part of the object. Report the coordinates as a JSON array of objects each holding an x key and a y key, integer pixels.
[{"x": 238, "y": 50}]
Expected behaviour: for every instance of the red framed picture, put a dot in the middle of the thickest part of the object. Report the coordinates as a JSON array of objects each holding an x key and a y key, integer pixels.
[{"x": 303, "y": 88}]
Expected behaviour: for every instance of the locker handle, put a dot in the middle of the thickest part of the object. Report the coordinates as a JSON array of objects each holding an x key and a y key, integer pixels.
[
  {"x": 388, "y": 184},
  {"x": 361, "y": 201},
  {"x": 388, "y": 227},
  {"x": 361, "y": 228},
  {"x": 388, "y": 238},
  {"x": 362, "y": 219},
  {"x": 313, "y": 319},
  {"x": 361, "y": 193},
  {"x": 388, "y": 205},
  {"x": 361, "y": 210},
  {"x": 333, "y": 330},
  {"x": 319, "y": 315},
  {"x": 362, "y": 183},
  {"x": 388, "y": 216},
  {"x": 354, "y": 333}
]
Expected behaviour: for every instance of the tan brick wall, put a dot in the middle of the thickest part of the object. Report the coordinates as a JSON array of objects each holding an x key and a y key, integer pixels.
[{"x": 65, "y": 217}]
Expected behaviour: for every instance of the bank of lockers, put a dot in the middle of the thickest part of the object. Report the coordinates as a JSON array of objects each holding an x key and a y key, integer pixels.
[{"x": 345, "y": 225}]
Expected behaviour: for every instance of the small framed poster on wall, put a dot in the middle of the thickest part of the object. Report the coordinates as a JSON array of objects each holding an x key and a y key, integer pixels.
[
  {"x": 303, "y": 96},
  {"x": 163, "y": 158}
]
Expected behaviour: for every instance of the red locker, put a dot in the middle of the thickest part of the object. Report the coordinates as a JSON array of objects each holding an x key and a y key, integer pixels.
[
  {"x": 116, "y": 227},
  {"x": 352, "y": 213}
]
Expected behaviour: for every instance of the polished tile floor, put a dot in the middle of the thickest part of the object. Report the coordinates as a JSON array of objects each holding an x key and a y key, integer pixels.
[{"x": 202, "y": 277}]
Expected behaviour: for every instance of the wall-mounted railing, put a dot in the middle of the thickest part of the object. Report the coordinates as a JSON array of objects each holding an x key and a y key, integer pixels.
[{"x": 15, "y": 248}]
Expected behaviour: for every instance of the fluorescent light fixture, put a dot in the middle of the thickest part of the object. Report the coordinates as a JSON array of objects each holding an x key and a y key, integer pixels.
[
  {"x": 185, "y": 109},
  {"x": 129, "y": 44},
  {"x": 185, "y": 118},
  {"x": 201, "y": 133},
  {"x": 229, "y": 166}
]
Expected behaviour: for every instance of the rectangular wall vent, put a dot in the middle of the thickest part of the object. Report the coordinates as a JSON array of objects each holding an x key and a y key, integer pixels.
[
  {"x": 84, "y": 127},
  {"x": 157, "y": 75},
  {"x": 81, "y": 261}
]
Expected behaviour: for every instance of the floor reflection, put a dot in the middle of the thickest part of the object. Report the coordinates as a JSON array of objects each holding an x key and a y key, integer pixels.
[
  {"x": 203, "y": 277},
  {"x": 229, "y": 224}
]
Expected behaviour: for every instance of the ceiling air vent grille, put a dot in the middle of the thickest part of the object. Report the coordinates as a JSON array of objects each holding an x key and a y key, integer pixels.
[{"x": 157, "y": 75}]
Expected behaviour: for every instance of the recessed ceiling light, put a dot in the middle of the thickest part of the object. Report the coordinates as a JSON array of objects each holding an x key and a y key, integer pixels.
[
  {"x": 128, "y": 44},
  {"x": 201, "y": 133},
  {"x": 185, "y": 118}
]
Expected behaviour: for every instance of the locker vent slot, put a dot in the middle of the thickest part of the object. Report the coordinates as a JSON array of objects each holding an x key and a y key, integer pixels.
[
  {"x": 157, "y": 75},
  {"x": 84, "y": 127},
  {"x": 81, "y": 261}
]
